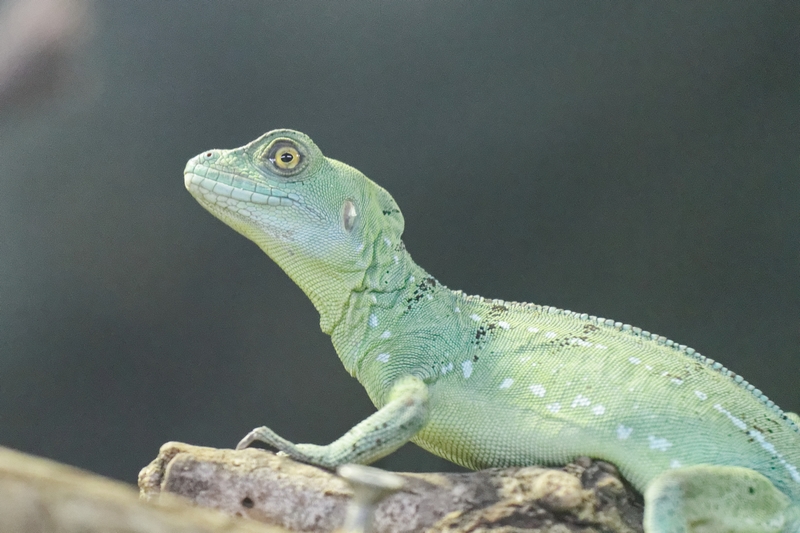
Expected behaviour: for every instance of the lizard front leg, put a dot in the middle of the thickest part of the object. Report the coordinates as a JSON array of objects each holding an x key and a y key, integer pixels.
[{"x": 377, "y": 436}]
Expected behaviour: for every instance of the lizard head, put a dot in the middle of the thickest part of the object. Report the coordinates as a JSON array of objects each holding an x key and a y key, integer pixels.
[{"x": 318, "y": 219}]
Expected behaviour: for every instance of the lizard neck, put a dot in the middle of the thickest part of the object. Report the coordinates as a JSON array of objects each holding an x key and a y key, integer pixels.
[
  {"x": 387, "y": 282},
  {"x": 379, "y": 264}
]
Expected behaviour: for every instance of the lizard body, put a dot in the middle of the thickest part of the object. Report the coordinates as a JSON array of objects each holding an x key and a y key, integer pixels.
[{"x": 488, "y": 383}]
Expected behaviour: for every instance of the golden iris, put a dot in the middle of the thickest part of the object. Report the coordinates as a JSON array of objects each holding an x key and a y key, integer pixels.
[{"x": 286, "y": 158}]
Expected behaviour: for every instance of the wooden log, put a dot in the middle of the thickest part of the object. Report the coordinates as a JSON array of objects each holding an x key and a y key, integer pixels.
[{"x": 583, "y": 496}]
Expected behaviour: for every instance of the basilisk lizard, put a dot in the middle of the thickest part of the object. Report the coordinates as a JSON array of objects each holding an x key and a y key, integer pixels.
[{"x": 490, "y": 383}]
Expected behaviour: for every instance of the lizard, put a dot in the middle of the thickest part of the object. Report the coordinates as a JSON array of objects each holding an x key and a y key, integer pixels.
[{"x": 490, "y": 383}]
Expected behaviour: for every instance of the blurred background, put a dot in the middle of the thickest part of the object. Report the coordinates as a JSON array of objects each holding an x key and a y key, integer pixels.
[{"x": 634, "y": 161}]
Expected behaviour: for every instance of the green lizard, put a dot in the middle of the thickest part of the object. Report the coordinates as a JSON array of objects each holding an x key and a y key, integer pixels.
[{"x": 488, "y": 383}]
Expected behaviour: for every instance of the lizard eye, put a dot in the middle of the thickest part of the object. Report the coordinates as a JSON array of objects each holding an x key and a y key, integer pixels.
[
  {"x": 349, "y": 215},
  {"x": 285, "y": 157}
]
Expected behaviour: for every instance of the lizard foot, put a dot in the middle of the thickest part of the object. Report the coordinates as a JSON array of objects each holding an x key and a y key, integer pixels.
[
  {"x": 267, "y": 436},
  {"x": 284, "y": 447}
]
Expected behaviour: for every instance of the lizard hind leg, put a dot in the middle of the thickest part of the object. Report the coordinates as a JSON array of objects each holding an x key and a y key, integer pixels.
[{"x": 714, "y": 499}]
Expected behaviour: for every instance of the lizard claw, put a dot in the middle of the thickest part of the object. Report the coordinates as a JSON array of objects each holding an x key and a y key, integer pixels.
[
  {"x": 298, "y": 452},
  {"x": 251, "y": 437},
  {"x": 267, "y": 436}
]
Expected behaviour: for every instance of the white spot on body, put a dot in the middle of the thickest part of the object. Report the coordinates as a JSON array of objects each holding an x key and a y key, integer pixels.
[
  {"x": 411, "y": 279},
  {"x": 550, "y": 334},
  {"x": 580, "y": 342},
  {"x": 506, "y": 383},
  {"x": 675, "y": 464},
  {"x": 553, "y": 407},
  {"x": 736, "y": 421},
  {"x": 503, "y": 325},
  {"x": 769, "y": 447},
  {"x": 700, "y": 394},
  {"x": 658, "y": 443},
  {"x": 598, "y": 410},
  {"x": 447, "y": 368},
  {"x": 386, "y": 334},
  {"x": 373, "y": 321},
  {"x": 374, "y": 298},
  {"x": 456, "y": 310},
  {"x": 538, "y": 390},
  {"x": 623, "y": 432},
  {"x": 634, "y": 360},
  {"x": 382, "y": 357},
  {"x": 581, "y": 401},
  {"x": 533, "y": 330},
  {"x": 792, "y": 470},
  {"x": 677, "y": 381},
  {"x": 387, "y": 241},
  {"x": 474, "y": 317},
  {"x": 466, "y": 368},
  {"x": 396, "y": 259},
  {"x": 525, "y": 359},
  {"x": 762, "y": 441},
  {"x": 648, "y": 367},
  {"x": 600, "y": 347}
]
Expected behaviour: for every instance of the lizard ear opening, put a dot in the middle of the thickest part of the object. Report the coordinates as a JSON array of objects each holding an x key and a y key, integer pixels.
[{"x": 349, "y": 215}]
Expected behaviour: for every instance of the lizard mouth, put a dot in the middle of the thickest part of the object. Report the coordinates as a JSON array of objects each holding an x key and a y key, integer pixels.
[{"x": 221, "y": 188}]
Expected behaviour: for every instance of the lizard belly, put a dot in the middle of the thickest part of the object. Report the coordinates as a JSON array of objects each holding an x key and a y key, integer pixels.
[
  {"x": 495, "y": 424},
  {"x": 496, "y": 435}
]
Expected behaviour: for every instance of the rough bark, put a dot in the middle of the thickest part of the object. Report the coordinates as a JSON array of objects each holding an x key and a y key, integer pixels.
[
  {"x": 583, "y": 496},
  {"x": 42, "y": 496}
]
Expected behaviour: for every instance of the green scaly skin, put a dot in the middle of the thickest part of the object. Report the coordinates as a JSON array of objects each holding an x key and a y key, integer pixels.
[{"x": 488, "y": 383}]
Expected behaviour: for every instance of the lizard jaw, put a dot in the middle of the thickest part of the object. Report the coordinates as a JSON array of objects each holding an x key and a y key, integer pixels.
[{"x": 210, "y": 185}]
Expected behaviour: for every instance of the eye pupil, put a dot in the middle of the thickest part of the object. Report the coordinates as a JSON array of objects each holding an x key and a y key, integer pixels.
[{"x": 286, "y": 157}]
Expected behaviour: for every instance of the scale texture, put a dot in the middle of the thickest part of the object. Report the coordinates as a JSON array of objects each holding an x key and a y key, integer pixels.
[{"x": 490, "y": 383}]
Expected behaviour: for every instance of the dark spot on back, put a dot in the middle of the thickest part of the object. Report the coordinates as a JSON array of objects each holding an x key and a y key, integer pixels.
[{"x": 589, "y": 328}]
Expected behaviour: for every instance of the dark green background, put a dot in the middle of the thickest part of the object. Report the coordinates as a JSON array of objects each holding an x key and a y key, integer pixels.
[{"x": 630, "y": 160}]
